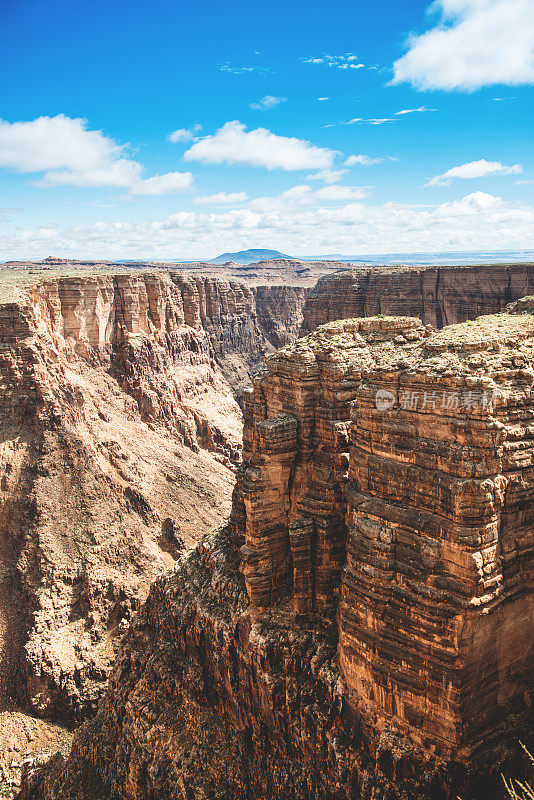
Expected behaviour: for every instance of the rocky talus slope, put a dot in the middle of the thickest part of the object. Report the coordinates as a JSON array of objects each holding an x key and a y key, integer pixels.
[
  {"x": 120, "y": 432},
  {"x": 437, "y": 295},
  {"x": 363, "y": 629}
]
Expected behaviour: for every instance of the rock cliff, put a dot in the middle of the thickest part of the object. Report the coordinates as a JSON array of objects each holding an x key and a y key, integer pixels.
[
  {"x": 362, "y": 629},
  {"x": 119, "y": 434},
  {"x": 289, "y": 503},
  {"x": 437, "y": 295}
]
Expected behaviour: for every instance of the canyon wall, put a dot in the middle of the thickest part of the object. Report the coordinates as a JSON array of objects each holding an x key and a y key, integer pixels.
[
  {"x": 431, "y": 515},
  {"x": 436, "y": 295},
  {"x": 363, "y": 627},
  {"x": 120, "y": 431},
  {"x": 289, "y": 503}
]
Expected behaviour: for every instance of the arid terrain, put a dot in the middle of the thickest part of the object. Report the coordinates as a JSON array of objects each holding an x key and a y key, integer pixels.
[{"x": 339, "y": 594}]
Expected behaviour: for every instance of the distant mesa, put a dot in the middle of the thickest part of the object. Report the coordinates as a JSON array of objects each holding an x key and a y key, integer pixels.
[{"x": 250, "y": 257}]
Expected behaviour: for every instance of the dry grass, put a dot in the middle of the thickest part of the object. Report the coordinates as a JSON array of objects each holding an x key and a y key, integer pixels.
[{"x": 517, "y": 790}]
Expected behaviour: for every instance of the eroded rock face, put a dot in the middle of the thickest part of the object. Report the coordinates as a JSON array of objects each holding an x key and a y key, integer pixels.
[
  {"x": 119, "y": 429},
  {"x": 280, "y": 312},
  {"x": 289, "y": 504},
  {"x": 363, "y": 629},
  {"x": 437, "y": 295},
  {"x": 436, "y": 597},
  {"x": 210, "y": 698}
]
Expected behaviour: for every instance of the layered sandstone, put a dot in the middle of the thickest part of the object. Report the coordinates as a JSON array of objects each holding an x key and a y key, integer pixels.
[
  {"x": 289, "y": 505},
  {"x": 363, "y": 629},
  {"x": 437, "y": 598},
  {"x": 115, "y": 419},
  {"x": 209, "y": 699},
  {"x": 120, "y": 431},
  {"x": 436, "y": 588},
  {"x": 437, "y": 295}
]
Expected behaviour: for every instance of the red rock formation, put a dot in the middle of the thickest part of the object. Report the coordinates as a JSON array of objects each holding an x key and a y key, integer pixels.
[
  {"x": 416, "y": 681},
  {"x": 105, "y": 392},
  {"x": 279, "y": 310},
  {"x": 437, "y": 593},
  {"x": 437, "y": 295},
  {"x": 296, "y": 456},
  {"x": 119, "y": 424}
]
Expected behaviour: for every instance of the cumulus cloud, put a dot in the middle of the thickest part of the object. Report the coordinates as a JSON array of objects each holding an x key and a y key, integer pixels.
[
  {"x": 474, "y": 169},
  {"x": 184, "y": 134},
  {"x": 233, "y": 144},
  {"x": 221, "y": 198},
  {"x": 475, "y": 43},
  {"x": 269, "y": 101},
  {"x": 65, "y": 152},
  {"x": 302, "y": 195},
  {"x": 310, "y": 228},
  {"x": 337, "y": 194}
]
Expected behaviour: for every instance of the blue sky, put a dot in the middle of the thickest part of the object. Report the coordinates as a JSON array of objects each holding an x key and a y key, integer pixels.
[{"x": 174, "y": 131}]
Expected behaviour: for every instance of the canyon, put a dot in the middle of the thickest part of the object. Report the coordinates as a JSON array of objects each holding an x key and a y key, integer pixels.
[
  {"x": 355, "y": 626},
  {"x": 121, "y": 432}
]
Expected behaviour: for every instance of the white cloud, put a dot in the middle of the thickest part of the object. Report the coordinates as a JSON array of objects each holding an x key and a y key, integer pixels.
[
  {"x": 475, "y": 43},
  {"x": 353, "y": 121},
  {"x": 327, "y": 175},
  {"x": 382, "y": 121},
  {"x": 474, "y": 169},
  {"x": 362, "y": 160},
  {"x": 66, "y": 153},
  {"x": 221, "y": 198},
  {"x": 233, "y": 144},
  {"x": 303, "y": 195},
  {"x": 269, "y": 101},
  {"x": 340, "y": 193},
  {"x": 184, "y": 134},
  {"x": 352, "y": 227},
  {"x": 322, "y": 99},
  {"x": 346, "y": 61},
  {"x": 163, "y": 184},
  {"x": 235, "y": 70},
  {"x": 421, "y": 109}
]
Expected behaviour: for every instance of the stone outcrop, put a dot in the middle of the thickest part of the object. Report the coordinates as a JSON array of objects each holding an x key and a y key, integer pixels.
[
  {"x": 437, "y": 295},
  {"x": 120, "y": 430},
  {"x": 436, "y": 590},
  {"x": 363, "y": 628},
  {"x": 208, "y": 699},
  {"x": 115, "y": 419},
  {"x": 289, "y": 497},
  {"x": 437, "y": 593}
]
